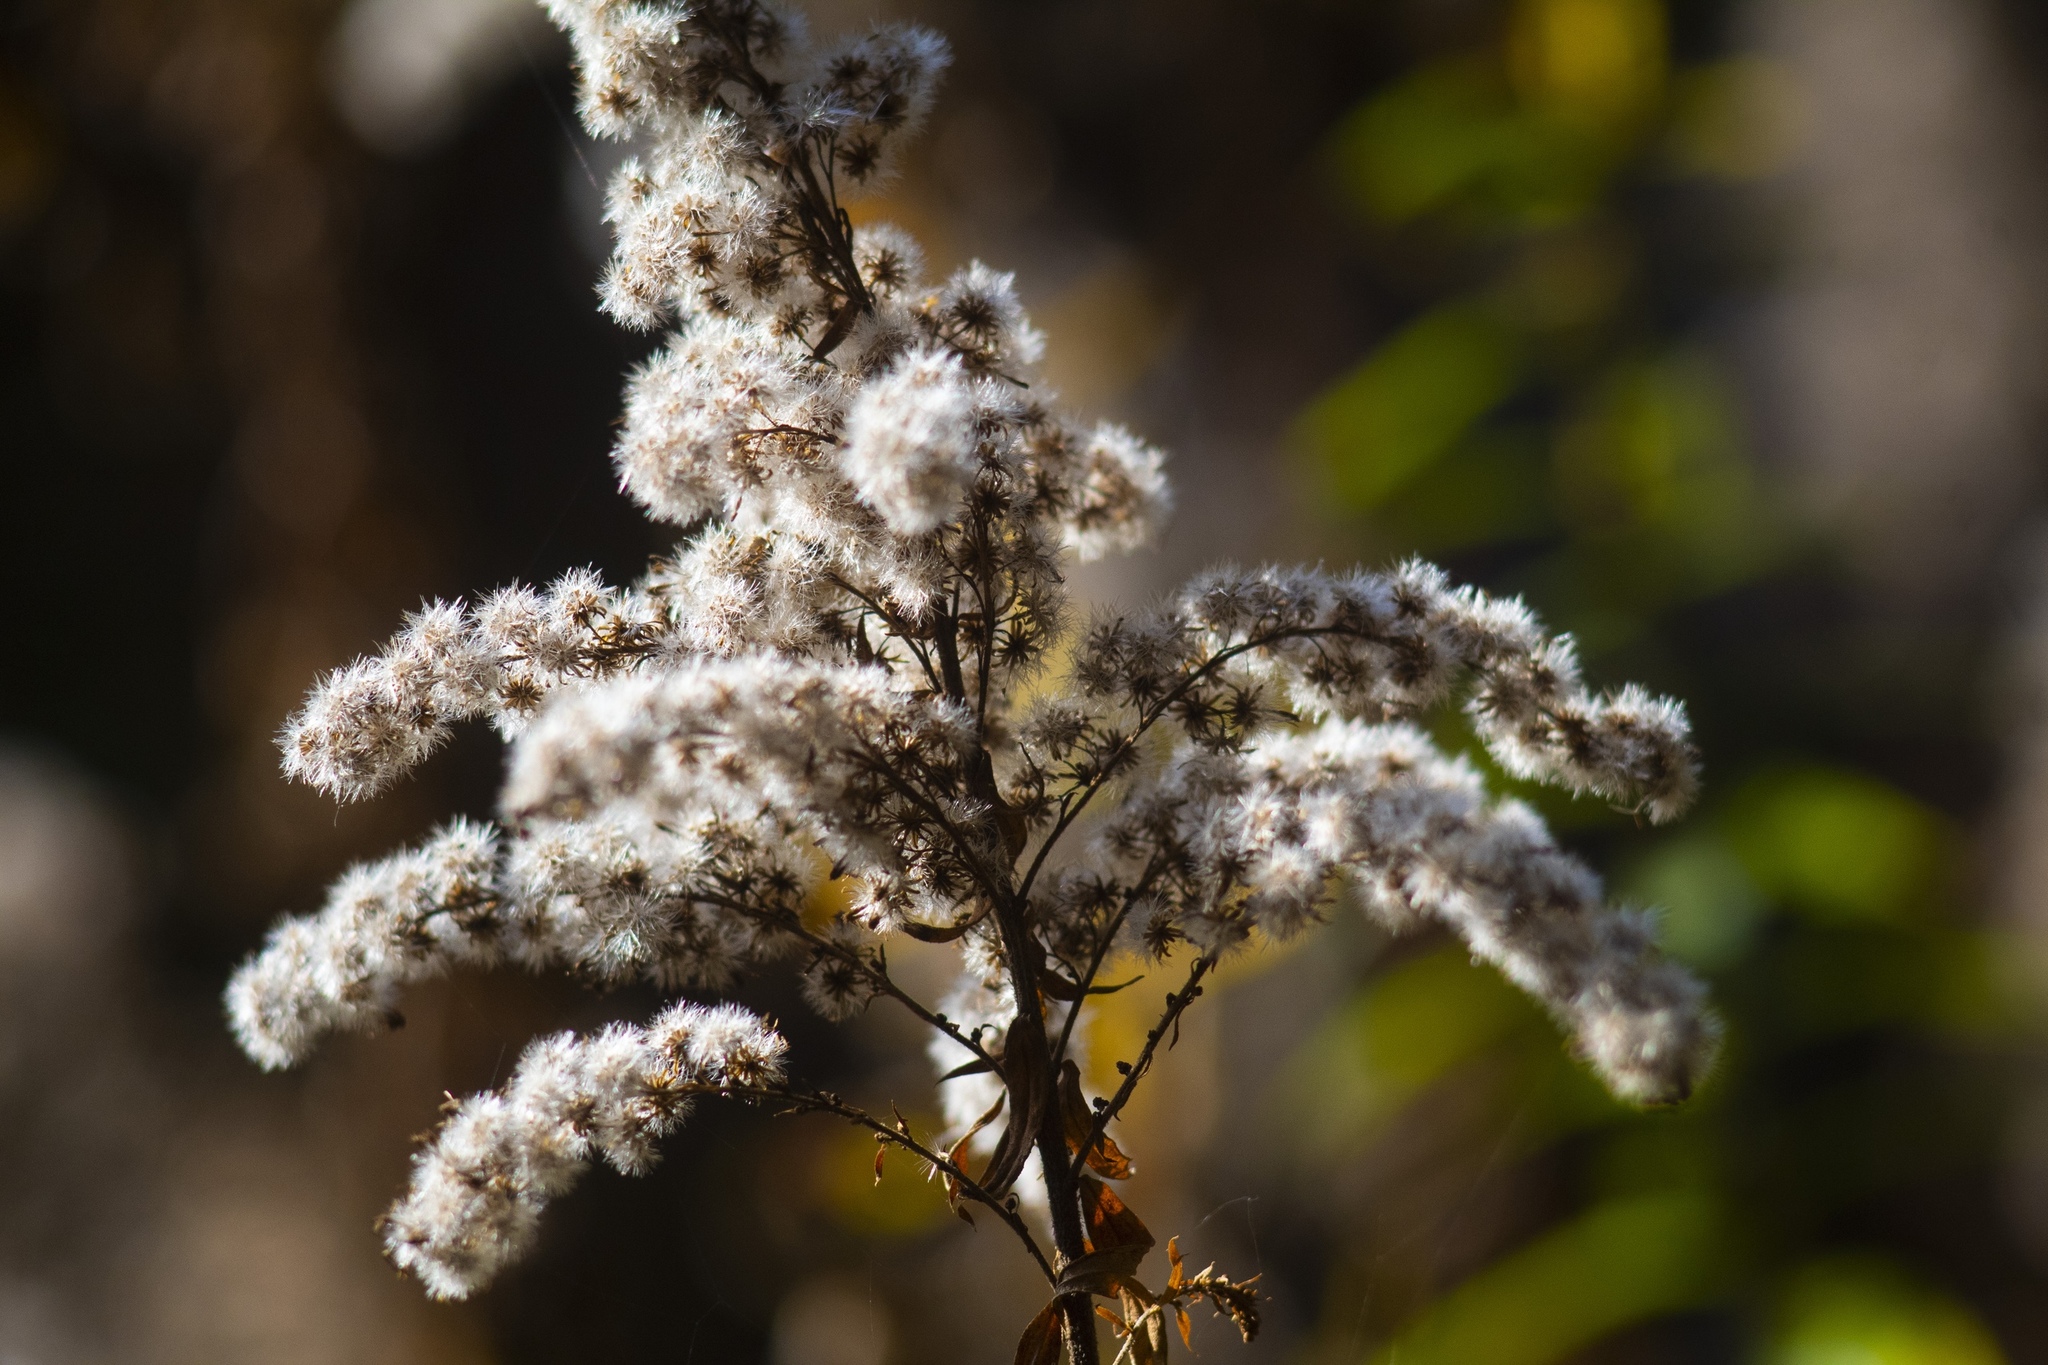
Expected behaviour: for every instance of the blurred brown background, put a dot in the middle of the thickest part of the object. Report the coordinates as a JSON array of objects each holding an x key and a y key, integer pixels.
[{"x": 1715, "y": 327}]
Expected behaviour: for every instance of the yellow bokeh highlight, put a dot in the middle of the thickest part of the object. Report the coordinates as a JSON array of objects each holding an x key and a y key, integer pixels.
[
  {"x": 1602, "y": 62},
  {"x": 903, "y": 1203},
  {"x": 28, "y": 160},
  {"x": 1104, "y": 331}
]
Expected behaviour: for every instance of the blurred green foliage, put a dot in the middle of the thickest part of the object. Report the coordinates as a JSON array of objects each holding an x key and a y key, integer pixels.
[
  {"x": 1415, "y": 398},
  {"x": 1618, "y": 1262},
  {"x": 1863, "y": 1312},
  {"x": 1543, "y": 416},
  {"x": 1540, "y": 372}
]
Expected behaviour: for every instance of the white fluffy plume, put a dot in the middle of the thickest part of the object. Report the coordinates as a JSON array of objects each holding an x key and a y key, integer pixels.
[{"x": 841, "y": 674}]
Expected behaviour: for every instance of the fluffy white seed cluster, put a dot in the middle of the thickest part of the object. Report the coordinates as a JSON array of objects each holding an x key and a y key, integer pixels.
[
  {"x": 368, "y": 724},
  {"x": 910, "y": 440},
  {"x": 1239, "y": 651},
  {"x": 479, "y": 1185},
  {"x": 825, "y": 680},
  {"x": 386, "y": 924},
  {"x": 1417, "y": 837}
]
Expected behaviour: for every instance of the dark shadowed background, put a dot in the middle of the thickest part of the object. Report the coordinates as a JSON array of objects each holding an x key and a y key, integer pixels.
[{"x": 1714, "y": 327}]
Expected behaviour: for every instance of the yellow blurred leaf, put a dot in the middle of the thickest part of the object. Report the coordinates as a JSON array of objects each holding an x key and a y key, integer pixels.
[
  {"x": 1735, "y": 120},
  {"x": 1602, "y": 62},
  {"x": 1450, "y": 140},
  {"x": 1409, "y": 1029}
]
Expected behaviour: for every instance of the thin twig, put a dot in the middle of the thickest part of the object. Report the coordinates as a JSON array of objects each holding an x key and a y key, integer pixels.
[
  {"x": 1175, "y": 1004},
  {"x": 824, "y": 1101},
  {"x": 1102, "y": 947},
  {"x": 1073, "y": 804},
  {"x": 995, "y": 887},
  {"x": 881, "y": 980},
  {"x": 897, "y": 626}
]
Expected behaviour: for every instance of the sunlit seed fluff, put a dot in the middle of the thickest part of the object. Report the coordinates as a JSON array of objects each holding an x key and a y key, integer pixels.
[
  {"x": 479, "y": 1185},
  {"x": 812, "y": 744},
  {"x": 978, "y": 313},
  {"x": 837, "y": 982},
  {"x": 363, "y": 727},
  {"x": 845, "y": 671},
  {"x": 367, "y": 725},
  {"x": 910, "y": 439},
  {"x": 891, "y": 261},
  {"x": 1423, "y": 839},
  {"x": 878, "y": 87},
  {"x": 704, "y": 417},
  {"x": 386, "y": 924},
  {"x": 1121, "y": 499}
]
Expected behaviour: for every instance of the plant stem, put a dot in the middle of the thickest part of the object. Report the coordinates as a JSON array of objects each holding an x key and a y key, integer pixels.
[{"x": 1062, "y": 1194}]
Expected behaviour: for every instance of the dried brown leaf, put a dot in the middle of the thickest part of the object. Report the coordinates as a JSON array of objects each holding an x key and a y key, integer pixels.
[
  {"x": 956, "y": 1155},
  {"x": 1147, "y": 1336},
  {"x": 1040, "y": 1344},
  {"x": 1110, "y": 1222},
  {"x": 1105, "y": 1158},
  {"x": 1106, "y": 1273},
  {"x": 1029, "y": 1088}
]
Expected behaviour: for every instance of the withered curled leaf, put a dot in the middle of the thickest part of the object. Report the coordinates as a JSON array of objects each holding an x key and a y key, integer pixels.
[
  {"x": 975, "y": 1067},
  {"x": 1146, "y": 1334},
  {"x": 1040, "y": 1344},
  {"x": 956, "y": 1157},
  {"x": 1110, "y": 1221},
  {"x": 1104, "y": 1272},
  {"x": 1025, "y": 1073}
]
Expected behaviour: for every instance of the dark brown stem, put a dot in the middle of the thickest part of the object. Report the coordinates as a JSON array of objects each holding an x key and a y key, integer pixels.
[
  {"x": 1062, "y": 1191},
  {"x": 822, "y": 207},
  {"x": 984, "y": 593},
  {"x": 946, "y": 638}
]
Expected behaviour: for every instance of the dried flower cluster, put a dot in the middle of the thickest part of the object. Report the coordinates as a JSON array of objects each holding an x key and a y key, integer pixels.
[
  {"x": 841, "y": 674},
  {"x": 478, "y": 1191}
]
